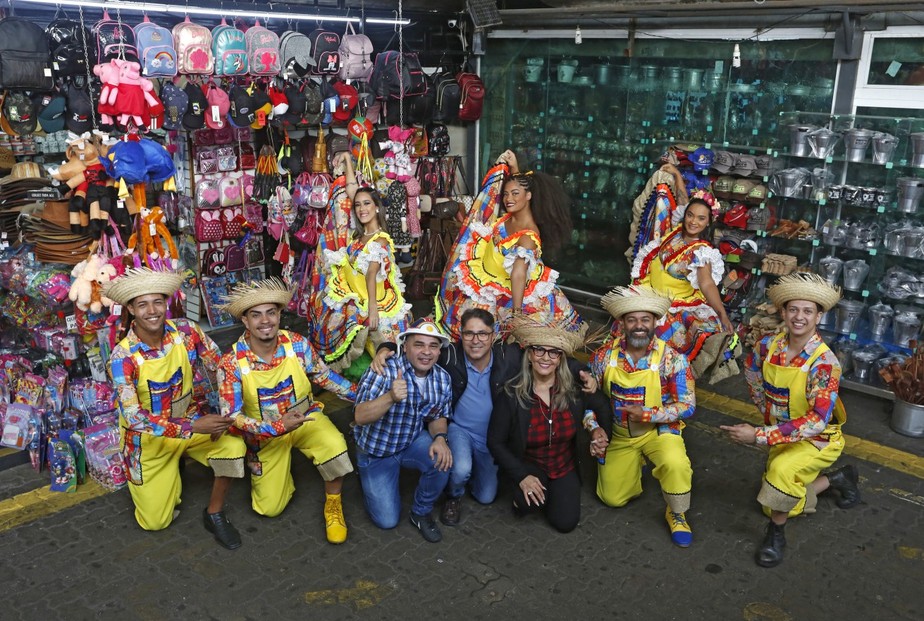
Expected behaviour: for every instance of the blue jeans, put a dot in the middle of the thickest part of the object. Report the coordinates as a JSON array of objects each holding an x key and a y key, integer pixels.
[
  {"x": 379, "y": 479},
  {"x": 470, "y": 464}
]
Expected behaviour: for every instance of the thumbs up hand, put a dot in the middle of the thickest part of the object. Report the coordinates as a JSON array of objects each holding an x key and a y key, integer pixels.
[{"x": 398, "y": 390}]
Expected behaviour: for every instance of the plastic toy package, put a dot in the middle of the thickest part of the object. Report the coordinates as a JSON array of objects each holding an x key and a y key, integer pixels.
[
  {"x": 92, "y": 399},
  {"x": 18, "y": 426},
  {"x": 62, "y": 466},
  {"x": 30, "y": 389},
  {"x": 104, "y": 461}
]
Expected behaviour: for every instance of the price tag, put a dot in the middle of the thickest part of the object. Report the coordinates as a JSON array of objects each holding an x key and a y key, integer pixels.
[
  {"x": 590, "y": 119},
  {"x": 120, "y": 204},
  {"x": 55, "y": 66},
  {"x": 822, "y": 202},
  {"x": 829, "y": 159},
  {"x": 725, "y": 144},
  {"x": 872, "y": 252},
  {"x": 583, "y": 216},
  {"x": 70, "y": 323},
  {"x": 261, "y": 118},
  {"x": 3, "y": 235},
  {"x": 4, "y": 245},
  {"x": 880, "y": 209},
  {"x": 584, "y": 195},
  {"x": 865, "y": 293},
  {"x": 754, "y": 132},
  {"x": 116, "y": 309},
  {"x": 216, "y": 114},
  {"x": 888, "y": 165},
  {"x": 815, "y": 242},
  {"x": 893, "y": 68},
  {"x": 47, "y": 72},
  {"x": 853, "y": 336}
]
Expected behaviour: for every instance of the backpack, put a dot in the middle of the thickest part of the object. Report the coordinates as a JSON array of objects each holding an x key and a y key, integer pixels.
[
  {"x": 24, "y": 57},
  {"x": 385, "y": 81},
  {"x": 418, "y": 110},
  {"x": 68, "y": 41},
  {"x": 448, "y": 97},
  {"x": 229, "y": 48},
  {"x": 355, "y": 55},
  {"x": 114, "y": 39},
  {"x": 314, "y": 111},
  {"x": 295, "y": 52},
  {"x": 438, "y": 139},
  {"x": 262, "y": 50},
  {"x": 472, "y": 89},
  {"x": 325, "y": 51},
  {"x": 193, "y": 48},
  {"x": 155, "y": 49}
]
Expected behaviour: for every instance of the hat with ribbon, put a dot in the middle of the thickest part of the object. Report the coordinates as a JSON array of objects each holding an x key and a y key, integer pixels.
[{"x": 424, "y": 326}]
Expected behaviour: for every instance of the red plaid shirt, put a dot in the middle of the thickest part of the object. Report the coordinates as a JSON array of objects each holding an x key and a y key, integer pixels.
[{"x": 554, "y": 455}]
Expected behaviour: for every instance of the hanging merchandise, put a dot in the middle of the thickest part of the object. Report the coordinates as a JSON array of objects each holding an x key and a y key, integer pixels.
[
  {"x": 194, "y": 118},
  {"x": 194, "y": 48},
  {"x": 262, "y": 50},
  {"x": 114, "y": 39},
  {"x": 126, "y": 96},
  {"x": 472, "y": 91},
  {"x": 19, "y": 118},
  {"x": 325, "y": 52},
  {"x": 419, "y": 110},
  {"x": 155, "y": 50},
  {"x": 68, "y": 40},
  {"x": 219, "y": 105},
  {"x": 24, "y": 57},
  {"x": 438, "y": 139},
  {"x": 355, "y": 55},
  {"x": 448, "y": 96},
  {"x": 229, "y": 49},
  {"x": 295, "y": 55},
  {"x": 319, "y": 160},
  {"x": 175, "y": 103}
]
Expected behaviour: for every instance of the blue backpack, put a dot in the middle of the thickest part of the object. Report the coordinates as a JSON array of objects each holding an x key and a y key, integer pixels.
[
  {"x": 229, "y": 47},
  {"x": 155, "y": 50}
]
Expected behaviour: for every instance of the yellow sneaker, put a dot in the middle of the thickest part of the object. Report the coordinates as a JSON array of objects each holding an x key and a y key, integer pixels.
[
  {"x": 333, "y": 518},
  {"x": 681, "y": 534}
]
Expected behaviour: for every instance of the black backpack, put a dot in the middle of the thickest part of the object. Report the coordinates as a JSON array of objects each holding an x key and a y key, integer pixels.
[
  {"x": 325, "y": 50},
  {"x": 448, "y": 96},
  {"x": 419, "y": 110},
  {"x": 386, "y": 82},
  {"x": 68, "y": 41},
  {"x": 314, "y": 110},
  {"x": 438, "y": 139},
  {"x": 24, "y": 56}
]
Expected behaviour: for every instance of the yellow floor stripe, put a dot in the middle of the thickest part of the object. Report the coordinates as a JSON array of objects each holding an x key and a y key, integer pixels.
[
  {"x": 28, "y": 506},
  {"x": 857, "y": 447},
  {"x": 7, "y": 451}
]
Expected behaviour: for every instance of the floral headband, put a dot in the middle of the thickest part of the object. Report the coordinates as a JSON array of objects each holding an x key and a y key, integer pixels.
[{"x": 709, "y": 199}]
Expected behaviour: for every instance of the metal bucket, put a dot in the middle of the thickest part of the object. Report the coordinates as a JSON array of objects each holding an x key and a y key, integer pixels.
[
  {"x": 847, "y": 313},
  {"x": 693, "y": 79},
  {"x": 855, "y": 272},
  {"x": 798, "y": 139},
  {"x": 602, "y": 74},
  {"x": 822, "y": 141},
  {"x": 910, "y": 190},
  {"x": 908, "y": 419},
  {"x": 829, "y": 268},
  {"x": 857, "y": 142},
  {"x": 880, "y": 318},
  {"x": 905, "y": 328},
  {"x": 917, "y": 146},
  {"x": 863, "y": 362},
  {"x": 566, "y": 70},
  {"x": 883, "y": 148}
]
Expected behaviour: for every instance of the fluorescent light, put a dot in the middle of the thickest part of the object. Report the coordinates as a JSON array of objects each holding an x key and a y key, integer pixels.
[{"x": 148, "y": 7}]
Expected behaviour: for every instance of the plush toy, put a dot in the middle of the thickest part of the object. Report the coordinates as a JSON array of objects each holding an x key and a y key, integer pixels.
[
  {"x": 398, "y": 154},
  {"x": 126, "y": 96},
  {"x": 84, "y": 275},
  {"x": 84, "y": 174},
  {"x": 150, "y": 231},
  {"x": 104, "y": 273}
]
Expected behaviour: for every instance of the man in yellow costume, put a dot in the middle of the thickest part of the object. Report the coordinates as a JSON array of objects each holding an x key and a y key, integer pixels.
[
  {"x": 651, "y": 390},
  {"x": 794, "y": 380},
  {"x": 265, "y": 390},
  {"x": 160, "y": 417}
]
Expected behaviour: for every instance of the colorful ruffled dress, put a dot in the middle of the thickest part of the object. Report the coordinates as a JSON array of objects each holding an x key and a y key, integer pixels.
[
  {"x": 478, "y": 272},
  {"x": 670, "y": 265},
  {"x": 339, "y": 304}
]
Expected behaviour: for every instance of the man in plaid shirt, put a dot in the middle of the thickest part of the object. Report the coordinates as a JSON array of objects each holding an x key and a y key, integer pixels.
[{"x": 401, "y": 420}]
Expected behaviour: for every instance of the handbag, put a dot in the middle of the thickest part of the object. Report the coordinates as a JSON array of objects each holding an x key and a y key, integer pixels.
[
  {"x": 208, "y": 225},
  {"x": 254, "y": 249},
  {"x": 320, "y": 192},
  {"x": 423, "y": 280},
  {"x": 206, "y": 161},
  {"x": 308, "y": 232},
  {"x": 231, "y": 221},
  {"x": 208, "y": 194},
  {"x": 445, "y": 208},
  {"x": 253, "y": 213}
]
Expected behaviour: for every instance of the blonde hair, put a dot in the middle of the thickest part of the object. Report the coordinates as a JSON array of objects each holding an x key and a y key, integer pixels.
[{"x": 522, "y": 385}]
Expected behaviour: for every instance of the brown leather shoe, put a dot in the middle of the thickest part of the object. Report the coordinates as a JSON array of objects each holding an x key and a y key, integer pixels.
[{"x": 452, "y": 512}]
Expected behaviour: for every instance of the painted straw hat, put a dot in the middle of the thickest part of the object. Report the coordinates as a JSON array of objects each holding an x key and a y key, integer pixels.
[
  {"x": 142, "y": 281},
  {"x": 531, "y": 330},
  {"x": 245, "y": 296},
  {"x": 634, "y": 298},
  {"x": 804, "y": 286}
]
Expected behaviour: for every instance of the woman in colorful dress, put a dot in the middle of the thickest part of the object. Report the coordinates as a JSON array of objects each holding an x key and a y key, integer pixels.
[
  {"x": 354, "y": 267},
  {"x": 496, "y": 263},
  {"x": 686, "y": 267}
]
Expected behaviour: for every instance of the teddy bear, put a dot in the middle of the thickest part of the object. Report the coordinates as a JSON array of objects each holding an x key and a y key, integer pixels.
[
  {"x": 82, "y": 288},
  {"x": 150, "y": 230},
  {"x": 104, "y": 273}
]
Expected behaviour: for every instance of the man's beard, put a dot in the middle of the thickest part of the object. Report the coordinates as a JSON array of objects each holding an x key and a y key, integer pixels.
[{"x": 637, "y": 341}]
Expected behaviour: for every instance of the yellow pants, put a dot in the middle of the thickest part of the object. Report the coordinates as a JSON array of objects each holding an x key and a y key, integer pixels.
[
  {"x": 619, "y": 480},
  {"x": 319, "y": 440},
  {"x": 791, "y": 468},
  {"x": 160, "y": 491}
]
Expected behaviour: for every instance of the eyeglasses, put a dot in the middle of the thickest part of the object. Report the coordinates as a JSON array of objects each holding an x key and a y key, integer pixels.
[
  {"x": 476, "y": 336},
  {"x": 551, "y": 354}
]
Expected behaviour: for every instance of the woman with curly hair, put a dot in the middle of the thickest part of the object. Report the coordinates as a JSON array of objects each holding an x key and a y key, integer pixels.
[{"x": 496, "y": 263}]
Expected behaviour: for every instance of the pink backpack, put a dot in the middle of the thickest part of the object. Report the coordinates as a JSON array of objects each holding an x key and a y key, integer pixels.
[
  {"x": 262, "y": 50},
  {"x": 232, "y": 192},
  {"x": 193, "y": 48}
]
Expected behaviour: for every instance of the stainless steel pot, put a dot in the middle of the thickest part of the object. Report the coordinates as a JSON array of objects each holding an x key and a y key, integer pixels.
[
  {"x": 883, "y": 148},
  {"x": 693, "y": 79},
  {"x": 854, "y": 274},
  {"x": 906, "y": 327},
  {"x": 880, "y": 318},
  {"x": 822, "y": 141},
  {"x": 829, "y": 268},
  {"x": 910, "y": 190},
  {"x": 847, "y": 314},
  {"x": 798, "y": 139},
  {"x": 863, "y": 365},
  {"x": 917, "y": 146},
  {"x": 857, "y": 141}
]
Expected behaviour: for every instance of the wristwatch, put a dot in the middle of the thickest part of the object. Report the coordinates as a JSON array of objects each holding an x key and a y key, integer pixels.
[{"x": 442, "y": 435}]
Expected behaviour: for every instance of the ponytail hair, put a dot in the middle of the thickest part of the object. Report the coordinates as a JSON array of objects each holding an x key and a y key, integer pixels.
[{"x": 550, "y": 206}]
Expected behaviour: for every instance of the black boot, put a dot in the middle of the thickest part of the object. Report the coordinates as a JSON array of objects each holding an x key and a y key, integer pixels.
[
  {"x": 770, "y": 552},
  {"x": 845, "y": 482}
]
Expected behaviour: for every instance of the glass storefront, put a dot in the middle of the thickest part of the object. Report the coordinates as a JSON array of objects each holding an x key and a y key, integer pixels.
[{"x": 598, "y": 119}]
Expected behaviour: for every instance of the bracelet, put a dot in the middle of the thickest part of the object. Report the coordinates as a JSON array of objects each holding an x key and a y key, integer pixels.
[{"x": 442, "y": 435}]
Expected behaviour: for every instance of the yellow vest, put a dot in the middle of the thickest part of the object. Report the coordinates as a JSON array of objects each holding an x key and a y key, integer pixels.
[
  {"x": 784, "y": 388},
  {"x": 164, "y": 385},
  {"x": 268, "y": 395},
  {"x": 641, "y": 388}
]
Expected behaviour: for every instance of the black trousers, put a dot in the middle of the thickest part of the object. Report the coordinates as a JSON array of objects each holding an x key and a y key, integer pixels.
[{"x": 562, "y": 506}]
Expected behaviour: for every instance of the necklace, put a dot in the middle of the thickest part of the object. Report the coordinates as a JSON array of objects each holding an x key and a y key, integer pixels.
[
  {"x": 373, "y": 232},
  {"x": 547, "y": 417}
]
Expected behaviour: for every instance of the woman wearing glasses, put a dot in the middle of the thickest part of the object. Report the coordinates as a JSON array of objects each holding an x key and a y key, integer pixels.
[
  {"x": 534, "y": 427},
  {"x": 497, "y": 261}
]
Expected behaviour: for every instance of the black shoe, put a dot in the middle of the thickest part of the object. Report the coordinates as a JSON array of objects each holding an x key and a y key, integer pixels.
[
  {"x": 770, "y": 552},
  {"x": 427, "y": 527},
  {"x": 452, "y": 512},
  {"x": 845, "y": 482},
  {"x": 221, "y": 527}
]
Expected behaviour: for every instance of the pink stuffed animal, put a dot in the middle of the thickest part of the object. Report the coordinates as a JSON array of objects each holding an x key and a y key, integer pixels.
[
  {"x": 126, "y": 96},
  {"x": 398, "y": 156}
]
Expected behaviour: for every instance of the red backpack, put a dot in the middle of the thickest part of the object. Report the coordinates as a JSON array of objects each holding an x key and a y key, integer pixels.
[{"x": 472, "y": 90}]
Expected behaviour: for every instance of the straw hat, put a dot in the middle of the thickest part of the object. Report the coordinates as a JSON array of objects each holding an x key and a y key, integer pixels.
[
  {"x": 142, "y": 281},
  {"x": 245, "y": 296},
  {"x": 531, "y": 330},
  {"x": 634, "y": 298},
  {"x": 804, "y": 286}
]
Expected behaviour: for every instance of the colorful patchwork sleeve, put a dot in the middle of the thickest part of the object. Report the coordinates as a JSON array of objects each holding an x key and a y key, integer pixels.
[
  {"x": 206, "y": 349},
  {"x": 821, "y": 393},
  {"x": 319, "y": 372},
  {"x": 753, "y": 372},
  {"x": 678, "y": 392},
  {"x": 231, "y": 401},
  {"x": 124, "y": 377}
]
